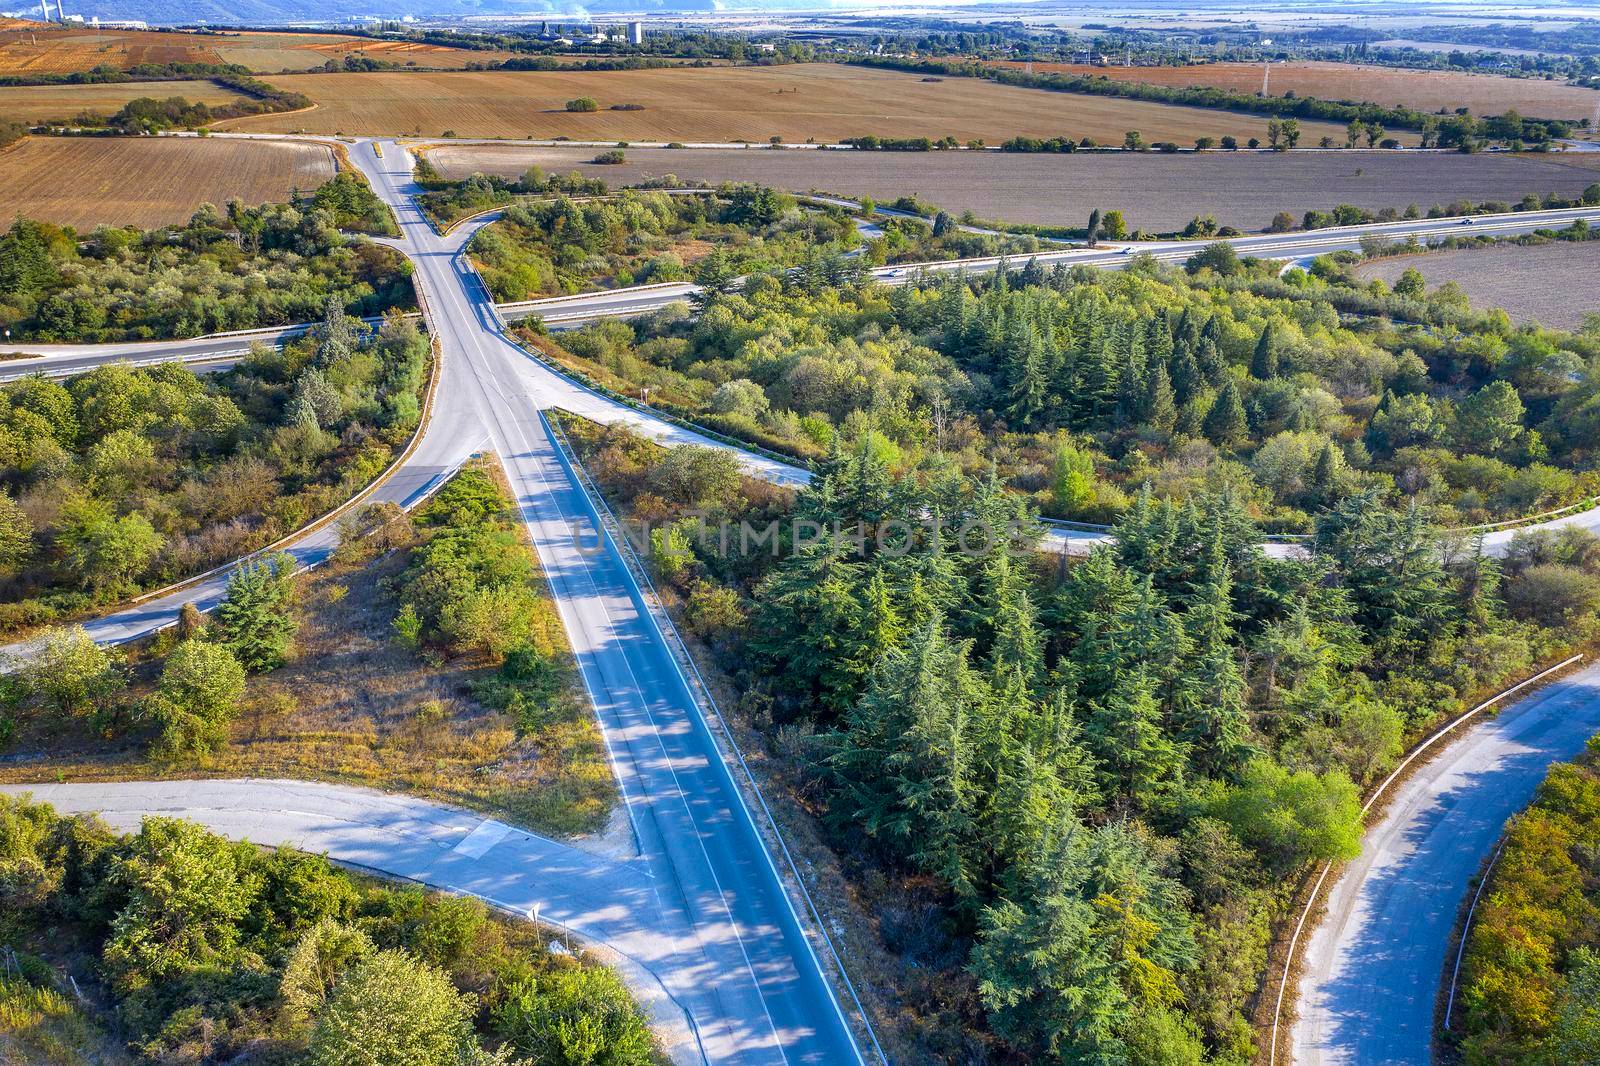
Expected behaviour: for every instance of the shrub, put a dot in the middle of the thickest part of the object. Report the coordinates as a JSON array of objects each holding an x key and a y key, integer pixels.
[{"x": 583, "y": 103}]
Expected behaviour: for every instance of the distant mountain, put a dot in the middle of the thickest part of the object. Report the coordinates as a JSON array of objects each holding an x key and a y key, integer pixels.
[{"x": 278, "y": 12}]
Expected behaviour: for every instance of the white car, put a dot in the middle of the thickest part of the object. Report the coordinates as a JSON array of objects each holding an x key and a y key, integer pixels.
[{"x": 1467, "y": 221}]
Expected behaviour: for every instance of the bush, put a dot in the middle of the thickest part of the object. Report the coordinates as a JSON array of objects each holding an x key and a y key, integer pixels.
[
  {"x": 196, "y": 698},
  {"x": 613, "y": 157},
  {"x": 574, "y": 1016},
  {"x": 582, "y": 103},
  {"x": 392, "y": 1010}
]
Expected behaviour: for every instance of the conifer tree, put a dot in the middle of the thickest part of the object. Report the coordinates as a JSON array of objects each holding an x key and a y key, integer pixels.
[
  {"x": 254, "y": 619},
  {"x": 1264, "y": 364},
  {"x": 1225, "y": 424}
]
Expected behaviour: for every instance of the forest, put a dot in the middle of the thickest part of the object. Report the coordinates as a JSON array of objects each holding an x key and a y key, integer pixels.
[
  {"x": 1076, "y": 797},
  {"x": 240, "y": 268},
  {"x": 1079, "y": 387},
  {"x": 124, "y": 479},
  {"x": 217, "y": 951},
  {"x": 641, "y": 238},
  {"x": 1530, "y": 989}
]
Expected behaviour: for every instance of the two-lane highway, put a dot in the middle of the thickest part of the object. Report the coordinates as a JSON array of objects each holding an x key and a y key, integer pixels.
[{"x": 726, "y": 941}]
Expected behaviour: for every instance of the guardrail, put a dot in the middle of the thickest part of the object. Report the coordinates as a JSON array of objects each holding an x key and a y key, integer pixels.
[{"x": 695, "y": 685}]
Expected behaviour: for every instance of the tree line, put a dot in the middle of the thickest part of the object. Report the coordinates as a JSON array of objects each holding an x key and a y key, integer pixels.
[{"x": 1458, "y": 130}]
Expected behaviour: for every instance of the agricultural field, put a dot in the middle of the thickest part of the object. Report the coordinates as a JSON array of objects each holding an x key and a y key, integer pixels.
[
  {"x": 34, "y": 48},
  {"x": 44, "y": 103},
  {"x": 1556, "y": 285},
  {"x": 1157, "y": 192},
  {"x": 804, "y": 101},
  {"x": 1425, "y": 90},
  {"x": 143, "y": 181}
]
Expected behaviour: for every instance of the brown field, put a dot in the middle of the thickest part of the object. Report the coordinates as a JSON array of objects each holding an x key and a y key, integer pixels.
[
  {"x": 1157, "y": 192},
  {"x": 1425, "y": 90},
  {"x": 41, "y": 103},
  {"x": 1556, "y": 284},
  {"x": 145, "y": 181},
  {"x": 821, "y": 101},
  {"x": 35, "y": 48}
]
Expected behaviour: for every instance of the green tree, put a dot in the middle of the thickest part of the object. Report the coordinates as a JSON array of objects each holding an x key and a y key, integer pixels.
[
  {"x": 185, "y": 893},
  {"x": 903, "y": 762},
  {"x": 1221, "y": 258},
  {"x": 1072, "y": 479},
  {"x": 1490, "y": 420},
  {"x": 255, "y": 619},
  {"x": 1411, "y": 284},
  {"x": 1575, "y": 1030},
  {"x": 103, "y": 551},
  {"x": 1092, "y": 231},
  {"x": 16, "y": 534},
  {"x": 1264, "y": 363},
  {"x": 391, "y": 1010},
  {"x": 1292, "y": 816},
  {"x": 70, "y": 674},
  {"x": 1225, "y": 424},
  {"x": 322, "y": 955}
]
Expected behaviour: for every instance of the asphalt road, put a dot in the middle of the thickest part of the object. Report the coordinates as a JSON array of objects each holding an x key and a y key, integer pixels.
[
  {"x": 599, "y": 899},
  {"x": 1372, "y": 968},
  {"x": 733, "y": 951}
]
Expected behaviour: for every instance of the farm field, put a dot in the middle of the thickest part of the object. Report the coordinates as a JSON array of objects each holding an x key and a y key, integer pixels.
[
  {"x": 1556, "y": 285},
  {"x": 40, "y": 103},
  {"x": 1157, "y": 192},
  {"x": 143, "y": 181},
  {"x": 818, "y": 101},
  {"x": 35, "y": 48},
  {"x": 1425, "y": 90}
]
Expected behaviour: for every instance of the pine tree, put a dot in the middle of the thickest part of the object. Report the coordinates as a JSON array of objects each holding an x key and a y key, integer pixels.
[
  {"x": 1136, "y": 757},
  {"x": 255, "y": 619},
  {"x": 1025, "y": 398},
  {"x": 1017, "y": 644},
  {"x": 1264, "y": 364},
  {"x": 1225, "y": 424},
  {"x": 1159, "y": 408},
  {"x": 902, "y": 763},
  {"x": 1047, "y": 981},
  {"x": 1327, "y": 475}
]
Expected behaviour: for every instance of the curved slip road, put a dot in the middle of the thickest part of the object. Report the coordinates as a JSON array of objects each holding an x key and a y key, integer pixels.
[
  {"x": 1371, "y": 970},
  {"x": 597, "y": 899}
]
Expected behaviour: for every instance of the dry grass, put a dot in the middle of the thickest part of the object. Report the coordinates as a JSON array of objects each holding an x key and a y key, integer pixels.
[
  {"x": 354, "y": 706},
  {"x": 35, "y": 48},
  {"x": 1157, "y": 192},
  {"x": 43, "y": 103},
  {"x": 807, "y": 101},
  {"x": 124, "y": 181},
  {"x": 1556, "y": 284},
  {"x": 1425, "y": 90}
]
